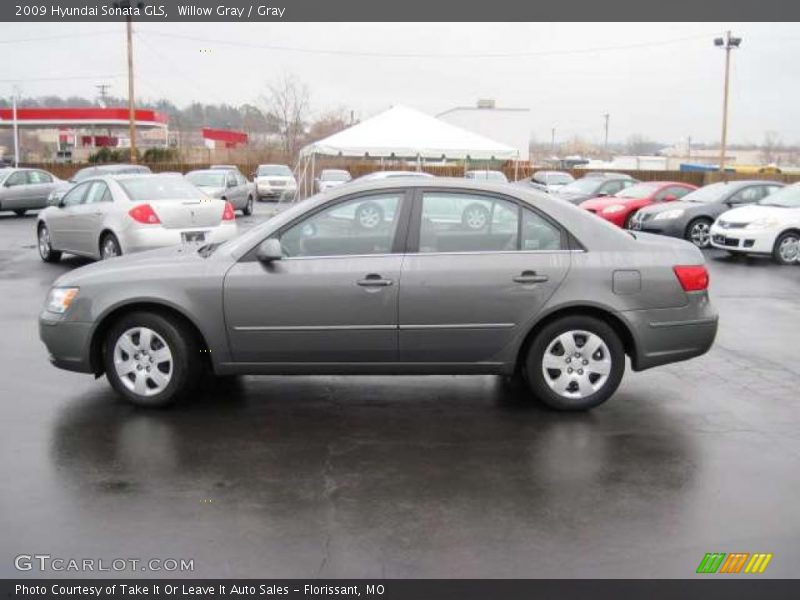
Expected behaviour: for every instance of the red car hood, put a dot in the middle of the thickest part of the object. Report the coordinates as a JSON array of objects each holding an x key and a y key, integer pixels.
[{"x": 601, "y": 203}]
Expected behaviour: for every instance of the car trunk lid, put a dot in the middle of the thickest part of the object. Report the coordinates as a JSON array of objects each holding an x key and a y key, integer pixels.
[{"x": 186, "y": 214}]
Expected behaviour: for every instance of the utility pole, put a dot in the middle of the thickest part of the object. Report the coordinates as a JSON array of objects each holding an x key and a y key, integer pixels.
[
  {"x": 553, "y": 140},
  {"x": 605, "y": 137},
  {"x": 16, "y": 126},
  {"x": 689, "y": 147},
  {"x": 102, "y": 91},
  {"x": 728, "y": 43}
]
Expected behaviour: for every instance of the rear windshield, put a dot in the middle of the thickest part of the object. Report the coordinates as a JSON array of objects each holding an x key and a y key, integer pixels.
[
  {"x": 207, "y": 178},
  {"x": 140, "y": 189},
  {"x": 279, "y": 170}
]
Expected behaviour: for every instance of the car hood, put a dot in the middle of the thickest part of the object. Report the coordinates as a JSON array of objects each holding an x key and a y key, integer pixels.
[
  {"x": 268, "y": 178},
  {"x": 600, "y": 203},
  {"x": 173, "y": 260},
  {"x": 748, "y": 214}
]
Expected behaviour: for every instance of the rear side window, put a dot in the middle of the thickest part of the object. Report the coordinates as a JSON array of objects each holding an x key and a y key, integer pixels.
[
  {"x": 39, "y": 177},
  {"x": 538, "y": 233},
  {"x": 97, "y": 193},
  {"x": 749, "y": 194}
]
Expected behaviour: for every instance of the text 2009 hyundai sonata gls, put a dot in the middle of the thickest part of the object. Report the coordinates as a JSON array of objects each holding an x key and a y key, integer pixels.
[{"x": 542, "y": 289}]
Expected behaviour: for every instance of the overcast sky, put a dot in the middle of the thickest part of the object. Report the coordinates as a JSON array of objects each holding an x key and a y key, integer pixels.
[{"x": 660, "y": 80}]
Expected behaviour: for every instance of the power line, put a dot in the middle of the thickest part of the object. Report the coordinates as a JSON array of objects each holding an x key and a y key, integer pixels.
[
  {"x": 173, "y": 36},
  {"x": 30, "y": 79},
  {"x": 62, "y": 36}
]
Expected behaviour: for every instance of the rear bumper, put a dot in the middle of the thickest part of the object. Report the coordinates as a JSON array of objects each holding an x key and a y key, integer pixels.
[
  {"x": 741, "y": 240},
  {"x": 68, "y": 343},
  {"x": 149, "y": 238},
  {"x": 668, "y": 335}
]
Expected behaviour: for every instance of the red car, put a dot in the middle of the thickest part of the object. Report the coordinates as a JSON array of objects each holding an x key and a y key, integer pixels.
[{"x": 620, "y": 207}]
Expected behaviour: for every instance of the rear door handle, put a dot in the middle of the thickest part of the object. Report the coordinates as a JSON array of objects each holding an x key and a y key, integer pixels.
[
  {"x": 374, "y": 280},
  {"x": 530, "y": 277}
]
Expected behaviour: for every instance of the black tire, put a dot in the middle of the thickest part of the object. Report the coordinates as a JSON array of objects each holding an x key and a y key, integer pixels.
[
  {"x": 475, "y": 217},
  {"x": 546, "y": 341},
  {"x": 248, "y": 207},
  {"x": 20, "y": 212},
  {"x": 703, "y": 223},
  {"x": 183, "y": 344},
  {"x": 109, "y": 246},
  {"x": 779, "y": 252},
  {"x": 46, "y": 251},
  {"x": 369, "y": 215},
  {"x": 628, "y": 219}
]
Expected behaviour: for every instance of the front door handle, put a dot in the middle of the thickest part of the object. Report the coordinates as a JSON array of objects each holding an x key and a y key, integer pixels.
[
  {"x": 374, "y": 280},
  {"x": 530, "y": 277}
]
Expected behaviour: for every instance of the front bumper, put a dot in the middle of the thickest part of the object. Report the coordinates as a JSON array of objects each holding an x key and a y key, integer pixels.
[
  {"x": 743, "y": 240},
  {"x": 67, "y": 342},
  {"x": 667, "y": 335},
  {"x": 139, "y": 239}
]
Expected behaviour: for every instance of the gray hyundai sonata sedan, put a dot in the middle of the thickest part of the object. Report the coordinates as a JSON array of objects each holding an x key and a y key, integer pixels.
[{"x": 543, "y": 291}]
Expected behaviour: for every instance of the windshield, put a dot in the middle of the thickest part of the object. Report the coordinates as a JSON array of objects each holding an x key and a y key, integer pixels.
[
  {"x": 215, "y": 179},
  {"x": 274, "y": 170},
  {"x": 141, "y": 189},
  {"x": 641, "y": 190},
  {"x": 709, "y": 193},
  {"x": 558, "y": 178},
  {"x": 788, "y": 197},
  {"x": 335, "y": 176},
  {"x": 583, "y": 186}
]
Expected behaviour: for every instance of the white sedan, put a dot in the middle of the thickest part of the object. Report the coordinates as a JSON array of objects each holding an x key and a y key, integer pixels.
[
  {"x": 103, "y": 217},
  {"x": 770, "y": 227}
]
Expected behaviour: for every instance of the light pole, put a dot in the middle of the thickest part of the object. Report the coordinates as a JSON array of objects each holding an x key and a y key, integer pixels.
[
  {"x": 728, "y": 43},
  {"x": 606, "y": 116},
  {"x": 16, "y": 126}
]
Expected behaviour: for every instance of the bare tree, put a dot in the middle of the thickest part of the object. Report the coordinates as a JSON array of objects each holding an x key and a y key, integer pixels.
[
  {"x": 329, "y": 123},
  {"x": 770, "y": 148},
  {"x": 287, "y": 102},
  {"x": 639, "y": 145}
]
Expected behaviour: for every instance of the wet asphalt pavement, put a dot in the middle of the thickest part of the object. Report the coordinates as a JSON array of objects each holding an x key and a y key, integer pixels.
[{"x": 411, "y": 476}]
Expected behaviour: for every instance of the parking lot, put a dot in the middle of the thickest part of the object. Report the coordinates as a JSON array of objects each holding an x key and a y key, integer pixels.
[{"x": 410, "y": 477}]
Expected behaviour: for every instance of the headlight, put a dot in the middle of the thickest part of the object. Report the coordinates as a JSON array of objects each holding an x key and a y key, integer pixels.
[
  {"x": 764, "y": 223},
  {"x": 60, "y": 298},
  {"x": 613, "y": 208},
  {"x": 668, "y": 214}
]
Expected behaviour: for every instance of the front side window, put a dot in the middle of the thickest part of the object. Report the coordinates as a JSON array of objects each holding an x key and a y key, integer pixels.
[
  {"x": 364, "y": 225},
  {"x": 75, "y": 195},
  {"x": 453, "y": 222},
  {"x": 16, "y": 178}
]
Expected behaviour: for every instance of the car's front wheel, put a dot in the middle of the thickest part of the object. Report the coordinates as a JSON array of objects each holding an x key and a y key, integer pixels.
[
  {"x": 151, "y": 360},
  {"x": 46, "y": 251},
  {"x": 787, "y": 248},
  {"x": 575, "y": 363},
  {"x": 699, "y": 232}
]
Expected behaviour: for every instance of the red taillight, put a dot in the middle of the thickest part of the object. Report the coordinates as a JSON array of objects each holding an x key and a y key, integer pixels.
[
  {"x": 693, "y": 278},
  {"x": 144, "y": 213},
  {"x": 228, "y": 214}
]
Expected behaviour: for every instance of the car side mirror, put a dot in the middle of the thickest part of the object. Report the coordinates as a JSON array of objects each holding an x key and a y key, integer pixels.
[
  {"x": 670, "y": 198},
  {"x": 269, "y": 250}
]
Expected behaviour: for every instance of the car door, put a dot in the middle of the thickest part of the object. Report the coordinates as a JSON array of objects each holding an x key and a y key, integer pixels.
[
  {"x": 40, "y": 184},
  {"x": 15, "y": 191},
  {"x": 61, "y": 221},
  {"x": 332, "y": 298},
  {"x": 88, "y": 218},
  {"x": 467, "y": 292}
]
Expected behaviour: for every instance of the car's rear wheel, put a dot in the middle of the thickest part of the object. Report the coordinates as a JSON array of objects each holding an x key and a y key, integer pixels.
[
  {"x": 787, "y": 248},
  {"x": 46, "y": 251},
  {"x": 109, "y": 246},
  {"x": 699, "y": 232},
  {"x": 248, "y": 208},
  {"x": 575, "y": 363},
  {"x": 369, "y": 215},
  {"x": 475, "y": 217},
  {"x": 151, "y": 360}
]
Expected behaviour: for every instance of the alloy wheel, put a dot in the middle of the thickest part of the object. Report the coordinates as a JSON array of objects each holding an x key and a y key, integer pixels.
[
  {"x": 789, "y": 248},
  {"x": 368, "y": 217},
  {"x": 44, "y": 242},
  {"x": 475, "y": 218},
  {"x": 143, "y": 361},
  {"x": 576, "y": 364},
  {"x": 700, "y": 234}
]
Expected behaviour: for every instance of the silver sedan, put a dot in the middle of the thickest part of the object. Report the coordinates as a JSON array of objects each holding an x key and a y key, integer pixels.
[
  {"x": 542, "y": 290},
  {"x": 26, "y": 189},
  {"x": 104, "y": 217}
]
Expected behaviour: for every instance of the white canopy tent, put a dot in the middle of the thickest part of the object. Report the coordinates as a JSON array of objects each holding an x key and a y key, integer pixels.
[{"x": 403, "y": 132}]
